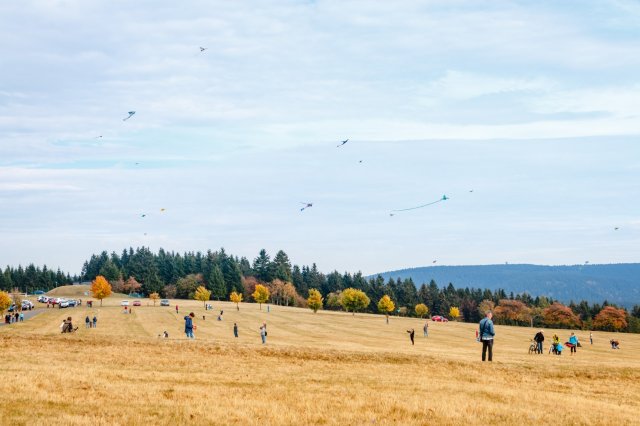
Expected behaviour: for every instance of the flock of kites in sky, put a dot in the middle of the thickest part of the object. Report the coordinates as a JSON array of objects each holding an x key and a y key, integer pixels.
[{"x": 307, "y": 205}]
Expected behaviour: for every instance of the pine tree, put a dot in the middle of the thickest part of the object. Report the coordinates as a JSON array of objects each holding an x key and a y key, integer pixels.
[{"x": 217, "y": 283}]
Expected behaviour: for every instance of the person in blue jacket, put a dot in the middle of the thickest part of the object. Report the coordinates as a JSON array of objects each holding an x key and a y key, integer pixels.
[
  {"x": 188, "y": 325},
  {"x": 573, "y": 340},
  {"x": 487, "y": 334}
]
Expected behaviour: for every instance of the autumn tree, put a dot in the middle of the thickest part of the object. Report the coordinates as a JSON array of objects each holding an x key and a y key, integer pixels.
[
  {"x": 558, "y": 315},
  {"x": 202, "y": 294},
  {"x": 385, "y": 306},
  {"x": 186, "y": 287},
  {"x": 485, "y": 306},
  {"x": 5, "y": 301},
  {"x": 454, "y": 313},
  {"x": 100, "y": 288},
  {"x": 261, "y": 294},
  {"x": 131, "y": 285},
  {"x": 170, "y": 291},
  {"x": 610, "y": 319},
  {"x": 333, "y": 300},
  {"x": 421, "y": 310},
  {"x": 154, "y": 296},
  {"x": 354, "y": 300},
  {"x": 512, "y": 312},
  {"x": 236, "y": 298},
  {"x": 315, "y": 300}
]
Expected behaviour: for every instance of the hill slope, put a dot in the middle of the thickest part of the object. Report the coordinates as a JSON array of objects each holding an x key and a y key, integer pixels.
[{"x": 617, "y": 283}]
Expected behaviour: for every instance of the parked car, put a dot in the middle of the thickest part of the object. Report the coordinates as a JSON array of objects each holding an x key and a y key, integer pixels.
[
  {"x": 27, "y": 305},
  {"x": 438, "y": 318},
  {"x": 137, "y": 303},
  {"x": 72, "y": 303},
  {"x": 38, "y": 292},
  {"x": 43, "y": 299},
  {"x": 63, "y": 304},
  {"x": 164, "y": 302},
  {"x": 124, "y": 303}
]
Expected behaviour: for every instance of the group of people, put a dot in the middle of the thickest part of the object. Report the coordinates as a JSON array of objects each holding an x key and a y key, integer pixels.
[
  {"x": 89, "y": 323},
  {"x": 556, "y": 346},
  {"x": 12, "y": 318},
  {"x": 190, "y": 327},
  {"x": 67, "y": 326}
]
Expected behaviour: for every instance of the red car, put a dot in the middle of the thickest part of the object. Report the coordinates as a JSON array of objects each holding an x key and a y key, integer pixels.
[
  {"x": 438, "y": 318},
  {"x": 136, "y": 303}
]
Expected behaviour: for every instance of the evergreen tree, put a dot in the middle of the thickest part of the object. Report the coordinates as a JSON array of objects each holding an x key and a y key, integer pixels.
[
  {"x": 282, "y": 267},
  {"x": 217, "y": 284},
  {"x": 262, "y": 267}
]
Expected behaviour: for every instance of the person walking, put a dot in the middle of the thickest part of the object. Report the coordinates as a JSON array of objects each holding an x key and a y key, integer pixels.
[
  {"x": 487, "y": 334},
  {"x": 235, "y": 329},
  {"x": 87, "y": 322},
  {"x": 263, "y": 333},
  {"x": 425, "y": 329},
  {"x": 95, "y": 321},
  {"x": 177, "y": 309},
  {"x": 573, "y": 343},
  {"x": 412, "y": 334},
  {"x": 188, "y": 325},
  {"x": 539, "y": 338}
]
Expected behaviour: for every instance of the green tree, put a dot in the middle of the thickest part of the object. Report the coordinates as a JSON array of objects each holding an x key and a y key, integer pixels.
[
  {"x": 217, "y": 284},
  {"x": 354, "y": 300},
  {"x": 282, "y": 267},
  {"x": 386, "y": 305},
  {"x": 110, "y": 271},
  {"x": 262, "y": 267},
  {"x": 186, "y": 287},
  {"x": 315, "y": 300}
]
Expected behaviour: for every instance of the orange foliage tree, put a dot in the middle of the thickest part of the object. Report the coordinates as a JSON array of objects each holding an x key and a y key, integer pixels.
[
  {"x": 561, "y": 316},
  {"x": 512, "y": 312},
  {"x": 610, "y": 319},
  {"x": 100, "y": 288}
]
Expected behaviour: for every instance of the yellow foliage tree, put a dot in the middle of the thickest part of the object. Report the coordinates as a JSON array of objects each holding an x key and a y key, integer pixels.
[
  {"x": 202, "y": 294},
  {"x": 100, "y": 288},
  {"x": 236, "y": 298},
  {"x": 386, "y": 305},
  {"x": 421, "y": 310},
  {"x": 5, "y": 301},
  {"x": 454, "y": 313},
  {"x": 354, "y": 300},
  {"x": 315, "y": 300},
  {"x": 154, "y": 297},
  {"x": 261, "y": 294}
]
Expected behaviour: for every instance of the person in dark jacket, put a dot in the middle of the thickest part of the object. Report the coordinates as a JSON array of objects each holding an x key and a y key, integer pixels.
[
  {"x": 539, "y": 338},
  {"x": 235, "y": 329},
  {"x": 188, "y": 325},
  {"x": 487, "y": 334},
  {"x": 412, "y": 334},
  {"x": 87, "y": 322}
]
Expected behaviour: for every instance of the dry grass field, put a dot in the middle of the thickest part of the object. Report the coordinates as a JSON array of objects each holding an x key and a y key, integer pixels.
[{"x": 324, "y": 368}]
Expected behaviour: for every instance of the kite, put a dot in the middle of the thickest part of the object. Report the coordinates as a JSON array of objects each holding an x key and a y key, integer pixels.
[
  {"x": 202, "y": 49},
  {"x": 131, "y": 113},
  {"x": 98, "y": 137},
  {"x": 434, "y": 261},
  {"x": 391, "y": 214},
  {"x": 144, "y": 215},
  {"x": 586, "y": 262},
  {"x": 616, "y": 228},
  {"x": 342, "y": 143},
  {"x": 444, "y": 198},
  {"x": 306, "y": 206},
  {"x": 162, "y": 210},
  {"x": 360, "y": 161},
  {"x": 471, "y": 190}
]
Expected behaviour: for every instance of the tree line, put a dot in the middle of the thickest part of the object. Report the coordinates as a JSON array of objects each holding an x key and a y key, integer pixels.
[
  {"x": 172, "y": 274},
  {"x": 32, "y": 278}
]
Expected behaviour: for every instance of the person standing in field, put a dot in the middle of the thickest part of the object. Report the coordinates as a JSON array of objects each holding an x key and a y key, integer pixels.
[
  {"x": 573, "y": 343},
  {"x": 95, "y": 321},
  {"x": 235, "y": 329},
  {"x": 487, "y": 334},
  {"x": 539, "y": 338},
  {"x": 21, "y": 316},
  {"x": 591, "y": 337},
  {"x": 412, "y": 334},
  {"x": 177, "y": 309},
  {"x": 87, "y": 322},
  {"x": 263, "y": 333},
  {"x": 425, "y": 329},
  {"x": 188, "y": 325}
]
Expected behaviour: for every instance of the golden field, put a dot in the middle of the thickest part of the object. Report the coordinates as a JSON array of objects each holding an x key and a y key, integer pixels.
[{"x": 324, "y": 368}]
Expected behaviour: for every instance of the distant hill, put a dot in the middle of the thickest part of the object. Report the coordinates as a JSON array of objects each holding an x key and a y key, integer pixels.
[
  {"x": 616, "y": 283},
  {"x": 80, "y": 291}
]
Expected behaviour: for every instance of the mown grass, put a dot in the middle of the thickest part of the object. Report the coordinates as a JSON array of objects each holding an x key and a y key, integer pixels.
[{"x": 325, "y": 368}]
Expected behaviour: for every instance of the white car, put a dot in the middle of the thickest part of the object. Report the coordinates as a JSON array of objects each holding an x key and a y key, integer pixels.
[{"x": 124, "y": 303}]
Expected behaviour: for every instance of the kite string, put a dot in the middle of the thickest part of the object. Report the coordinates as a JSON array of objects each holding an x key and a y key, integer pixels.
[{"x": 418, "y": 207}]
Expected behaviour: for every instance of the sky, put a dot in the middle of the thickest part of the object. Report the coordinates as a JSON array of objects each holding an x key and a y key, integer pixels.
[{"x": 533, "y": 106}]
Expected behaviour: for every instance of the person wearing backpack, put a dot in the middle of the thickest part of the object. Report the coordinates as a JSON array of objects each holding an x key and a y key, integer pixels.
[
  {"x": 487, "y": 334},
  {"x": 188, "y": 325}
]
